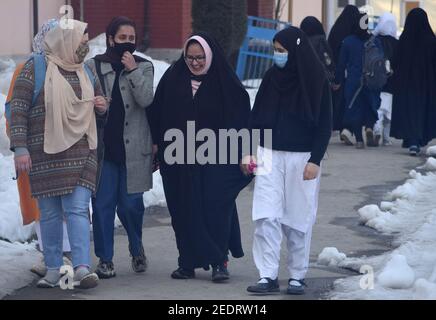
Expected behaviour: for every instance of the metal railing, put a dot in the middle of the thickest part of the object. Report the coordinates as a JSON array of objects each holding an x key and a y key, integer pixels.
[{"x": 256, "y": 53}]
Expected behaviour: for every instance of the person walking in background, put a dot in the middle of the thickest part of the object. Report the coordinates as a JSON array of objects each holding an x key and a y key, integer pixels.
[
  {"x": 313, "y": 28},
  {"x": 125, "y": 146},
  {"x": 361, "y": 103},
  {"x": 414, "y": 84},
  {"x": 55, "y": 141},
  {"x": 342, "y": 28},
  {"x": 386, "y": 33}
]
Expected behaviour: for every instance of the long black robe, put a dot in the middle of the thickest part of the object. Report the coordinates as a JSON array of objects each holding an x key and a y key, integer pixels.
[
  {"x": 414, "y": 82},
  {"x": 342, "y": 28},
  {"x": 201, "y": 198}
]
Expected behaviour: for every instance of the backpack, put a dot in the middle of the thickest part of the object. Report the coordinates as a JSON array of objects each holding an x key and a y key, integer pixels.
[
  {"x": 376, "y": 68},
  {"x": 40, "y": 67},
  {"x": 375, "y": 71}
]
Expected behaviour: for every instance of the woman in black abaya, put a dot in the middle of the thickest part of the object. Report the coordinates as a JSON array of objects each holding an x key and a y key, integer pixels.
[
  {"x": 201, "y": 87},
  {"x": 342, "y": 28},
  {"x": 414, "y": 101}
]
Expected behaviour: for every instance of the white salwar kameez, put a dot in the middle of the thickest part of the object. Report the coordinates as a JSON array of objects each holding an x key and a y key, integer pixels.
[{"x": 284, "y": 204}]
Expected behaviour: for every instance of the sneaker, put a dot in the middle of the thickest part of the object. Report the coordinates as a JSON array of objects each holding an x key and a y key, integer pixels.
[
  {"x": 105, "y": 270},
  {"x": 182, "y": 273},
  {"x": 265, "y": 285},
  {"x": 414, "y": 151},
  {"x": 84, "y": 279},
  {"x": 220, "y": 273},
  {"x": 139, "y": 263},
  {"x": 296, "y": 287},
  {"x": 377, "y": 139},
  {"x": 51, "y": 280},
  {"x": 360, "y": 145},
  {"x": 39, "y": 269},
  {"x": 370, "y": 141},
  {"x": 347, "y": 137},
  {"x": 387, "y": 143}
]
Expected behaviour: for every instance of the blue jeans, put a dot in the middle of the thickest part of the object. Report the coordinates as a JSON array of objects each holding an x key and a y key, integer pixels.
[
  {"x": 75, "y": 208},
  {"x": 112, "y": 196}
]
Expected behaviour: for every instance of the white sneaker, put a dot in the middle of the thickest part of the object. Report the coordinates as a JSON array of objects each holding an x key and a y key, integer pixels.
[{"x": 347, "y": 137}]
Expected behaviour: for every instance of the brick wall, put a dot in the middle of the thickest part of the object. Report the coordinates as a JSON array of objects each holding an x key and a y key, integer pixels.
[
  {"x": 170, "y": 23},
  {"x": 98, "y": 14},
  {"x": 261, "y": 8}
]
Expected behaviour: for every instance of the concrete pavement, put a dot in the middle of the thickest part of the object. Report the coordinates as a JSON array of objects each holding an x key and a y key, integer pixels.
[{"x": 351, "y": 179}]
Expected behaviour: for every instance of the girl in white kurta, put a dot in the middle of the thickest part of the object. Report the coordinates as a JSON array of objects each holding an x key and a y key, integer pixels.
[{"x": 294, "y": 102}]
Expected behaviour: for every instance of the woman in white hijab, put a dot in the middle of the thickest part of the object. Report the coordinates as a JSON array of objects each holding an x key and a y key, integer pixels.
[
  {"x": 55, "y": 141},
  {"x": 386, "y": 31}
]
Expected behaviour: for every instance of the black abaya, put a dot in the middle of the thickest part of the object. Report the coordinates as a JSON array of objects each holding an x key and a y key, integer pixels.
[
  {"x": 201, "y": 198},
  {"x": 414, "y": 82}
]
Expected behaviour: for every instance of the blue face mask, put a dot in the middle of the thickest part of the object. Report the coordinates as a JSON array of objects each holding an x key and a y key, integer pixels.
[{"x": 280, "y": 59}]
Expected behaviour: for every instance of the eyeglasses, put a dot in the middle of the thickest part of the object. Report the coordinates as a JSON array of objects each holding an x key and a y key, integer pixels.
[{"x": 191, "y": 59}]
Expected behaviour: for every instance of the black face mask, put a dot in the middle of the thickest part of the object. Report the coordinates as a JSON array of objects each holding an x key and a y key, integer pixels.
[{"x": 120, "y": 48}]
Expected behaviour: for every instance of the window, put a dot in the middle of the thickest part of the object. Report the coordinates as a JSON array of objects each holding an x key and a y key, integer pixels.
[{"x": 357, "y": 3}]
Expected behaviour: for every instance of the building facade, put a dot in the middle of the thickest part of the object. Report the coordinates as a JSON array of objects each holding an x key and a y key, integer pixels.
[{"x": 165, "y": 24}]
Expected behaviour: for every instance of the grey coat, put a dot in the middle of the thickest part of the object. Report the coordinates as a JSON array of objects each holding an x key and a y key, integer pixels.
[{"x": 136, "y": 89}]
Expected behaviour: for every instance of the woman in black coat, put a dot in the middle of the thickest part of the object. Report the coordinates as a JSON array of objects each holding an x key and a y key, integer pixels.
[
  {"x": 200, "y": 90},
  {"x": 414, "y": 84}
]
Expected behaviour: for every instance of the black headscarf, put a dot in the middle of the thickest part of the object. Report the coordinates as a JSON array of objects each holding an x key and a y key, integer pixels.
[
  {"x": 224, "y": 99},
  {"x": 342, "y": 28},
  {"x": 360, "y": 27},
  {"x": 111, "y": 56},
  {"x": 201, "y": 198},
  {"x": 311, "y": 26},
  {"x": 297, "y": 88}
]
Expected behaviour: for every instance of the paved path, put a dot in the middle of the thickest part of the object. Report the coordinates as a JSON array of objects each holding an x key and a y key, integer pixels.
[{"x": 351, "y": 179}]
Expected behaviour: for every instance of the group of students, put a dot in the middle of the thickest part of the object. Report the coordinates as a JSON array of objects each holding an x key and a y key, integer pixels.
[
  {"x": 92, "y": 130},
  {"x": 404, "y": 106}
]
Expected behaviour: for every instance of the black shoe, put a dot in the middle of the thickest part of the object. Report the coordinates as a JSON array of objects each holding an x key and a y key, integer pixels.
[
  {"x": 139, "y": 263},
  {"x": 414, "y": 151},
  {"x": 269, "y": 286},
  {"x": 220, "y": 273},
  {"x": 182, "y": 273},
  {"x": 296, "y": 288},
  {"x": 105, "y": 270},
  {"x": 370, "y": 140}
]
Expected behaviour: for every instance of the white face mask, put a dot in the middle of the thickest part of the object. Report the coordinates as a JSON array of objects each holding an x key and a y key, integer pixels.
[{"x": 280, "y": 59}]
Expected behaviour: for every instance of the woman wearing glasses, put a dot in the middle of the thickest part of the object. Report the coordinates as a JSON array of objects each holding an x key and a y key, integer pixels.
[{"x": 200, "y": 90}]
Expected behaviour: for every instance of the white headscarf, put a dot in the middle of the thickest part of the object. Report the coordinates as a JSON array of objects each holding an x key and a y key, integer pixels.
[{"x": 387, "y": 26}]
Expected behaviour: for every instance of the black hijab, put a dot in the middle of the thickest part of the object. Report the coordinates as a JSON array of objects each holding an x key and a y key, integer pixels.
[
  {"x": 111, "y": 56},
  {"x": 297, "y": 88},
  {"x": 360, "y": 27},
  {"x": 221, "y": 102},
  {"x": 342, "y": 28},
  {"x": 414, "y": 80},
  {"x": 311, "y": 26}
]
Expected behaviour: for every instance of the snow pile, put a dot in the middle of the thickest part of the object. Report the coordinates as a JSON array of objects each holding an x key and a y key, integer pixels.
[
  {"x": 4, "y": 141},
  {"x": 11, "y": 221},
  {"x": 156, "y": 196},
  {"x": 409, "y": 271},
  {"x": 16, "y": 259},
  {"x": 397, "y": 274},
  {"x": 431, "y": 151},
  {"x": 430, "y": 164},
  {"x": 7, "y": 68},
  {"x": 331, "y": 257}
]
